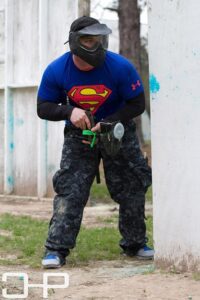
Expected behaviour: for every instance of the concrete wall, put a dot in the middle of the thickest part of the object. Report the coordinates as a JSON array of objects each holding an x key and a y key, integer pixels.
[
  {"x": 32, "y": 33},
  {"x": 2, "y": 51},
  {"x": 174, "y": 55}
]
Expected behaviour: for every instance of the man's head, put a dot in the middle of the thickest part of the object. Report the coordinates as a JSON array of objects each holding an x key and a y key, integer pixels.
[{"x": 88, "y": 39}]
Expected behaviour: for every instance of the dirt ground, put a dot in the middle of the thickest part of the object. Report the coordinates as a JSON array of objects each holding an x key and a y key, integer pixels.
[{"x": 124, "y": 279}]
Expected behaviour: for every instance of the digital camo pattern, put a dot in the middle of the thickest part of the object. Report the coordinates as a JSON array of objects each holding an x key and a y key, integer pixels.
[{"x": 127, "y": 177}]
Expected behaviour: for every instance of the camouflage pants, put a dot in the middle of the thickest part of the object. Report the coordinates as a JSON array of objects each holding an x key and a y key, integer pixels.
[{"x": 127, "y": 177}]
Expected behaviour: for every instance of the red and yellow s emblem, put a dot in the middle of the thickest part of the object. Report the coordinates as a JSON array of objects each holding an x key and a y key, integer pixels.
[{"x": 89, "y": 96}]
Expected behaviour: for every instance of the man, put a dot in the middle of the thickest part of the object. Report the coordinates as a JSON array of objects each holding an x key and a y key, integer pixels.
[{"x": 92, "y": 78}]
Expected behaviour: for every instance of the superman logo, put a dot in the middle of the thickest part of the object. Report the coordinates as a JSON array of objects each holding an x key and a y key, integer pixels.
[{"x": 89, "y": 97}]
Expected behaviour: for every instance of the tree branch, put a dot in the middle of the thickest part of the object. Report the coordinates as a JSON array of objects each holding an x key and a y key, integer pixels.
[{"x": 112, "y": 9}]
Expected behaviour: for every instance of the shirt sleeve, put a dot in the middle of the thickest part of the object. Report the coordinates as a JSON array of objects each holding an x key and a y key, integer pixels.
[
  {"x": 49, "y": 90},
  {"x": 131, "y": 109},
  {"x": 130, "y": 83}
]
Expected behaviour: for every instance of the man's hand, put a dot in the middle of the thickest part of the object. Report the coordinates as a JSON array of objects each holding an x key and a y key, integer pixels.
[
  {"x": 80, "y": 119},
  {"x": 94, "y": 129},
  {"x": 97, "y": 127}
]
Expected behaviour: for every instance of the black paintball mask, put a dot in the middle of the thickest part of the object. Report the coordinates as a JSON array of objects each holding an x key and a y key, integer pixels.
[{"x": 89, "y": 42}]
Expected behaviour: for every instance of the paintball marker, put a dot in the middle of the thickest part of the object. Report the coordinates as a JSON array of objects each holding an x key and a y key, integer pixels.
[{"x": 110, "y": 135}]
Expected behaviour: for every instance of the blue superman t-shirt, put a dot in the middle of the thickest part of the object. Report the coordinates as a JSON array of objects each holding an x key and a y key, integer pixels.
[{"x": 102, "y": 90}]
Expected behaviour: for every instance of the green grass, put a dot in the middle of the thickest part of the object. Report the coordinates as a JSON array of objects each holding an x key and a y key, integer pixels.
[
  {"x": 149, "y": 195},
  {"x": 99, "y": 193},
  {"x": 96, "y": 244},
  {"x": 196, "y": 276},
  {"x": 28, "y": 237},
  {"x": 112, "y": 220},
  {"x": 149, "y": 230}
]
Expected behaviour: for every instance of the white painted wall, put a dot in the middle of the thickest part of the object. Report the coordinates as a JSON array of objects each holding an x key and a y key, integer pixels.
[
  {"x": 2, "y": 52},
  {"x": 32, "y": 34},
  {"x": 174, "y": 50}
]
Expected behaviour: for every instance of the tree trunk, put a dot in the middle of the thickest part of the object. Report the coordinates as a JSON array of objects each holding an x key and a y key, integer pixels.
[
  {"x": 83, "y": 8},
  {"x": 129, "y": 34}
]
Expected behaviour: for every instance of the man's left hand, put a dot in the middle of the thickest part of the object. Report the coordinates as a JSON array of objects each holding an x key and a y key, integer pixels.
[{"x": 96, "y": 128}]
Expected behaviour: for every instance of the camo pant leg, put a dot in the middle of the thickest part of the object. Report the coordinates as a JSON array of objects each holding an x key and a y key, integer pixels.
[
  {"x": 72, "y": 184},
  {"x": 128, "y": 176}
]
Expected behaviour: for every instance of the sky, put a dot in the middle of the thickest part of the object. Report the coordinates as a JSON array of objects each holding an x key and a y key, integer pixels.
[{"x": 98, "y": 11}]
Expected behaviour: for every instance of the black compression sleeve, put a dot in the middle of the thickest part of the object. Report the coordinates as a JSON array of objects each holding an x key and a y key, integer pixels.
[
  {"x": 133, "y": 108},
  {"x": 52, "y": 111}
]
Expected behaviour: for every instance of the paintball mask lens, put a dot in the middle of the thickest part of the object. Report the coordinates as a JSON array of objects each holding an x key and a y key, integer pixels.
[{"x": 91, "y": 43}]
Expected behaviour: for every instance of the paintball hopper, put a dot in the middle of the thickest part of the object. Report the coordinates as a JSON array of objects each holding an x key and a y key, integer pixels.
[{"x": 111, "y": 137}]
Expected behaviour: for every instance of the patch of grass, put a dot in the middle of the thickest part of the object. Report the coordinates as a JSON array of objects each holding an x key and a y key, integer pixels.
[
  {"x": 149, "y": 230},
  {"x": 28, "y": 236},
  {"x": 149, "y": 194},
  {"x": 96, "y": 244},
  {"x": 99, "y": 193},
  {"x": 26, "y": 241},
  {"x": 108, "y": 220},
  {"x": 196, "y": 276}
]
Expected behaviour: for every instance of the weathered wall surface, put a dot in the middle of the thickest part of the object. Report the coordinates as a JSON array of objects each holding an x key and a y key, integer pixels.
[
  {"x": 32, "y": 33},
  {"x": 174, "y": 50}
]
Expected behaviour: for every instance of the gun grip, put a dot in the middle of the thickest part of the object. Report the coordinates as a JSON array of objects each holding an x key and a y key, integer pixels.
[{"x": 90, "y": 117}]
